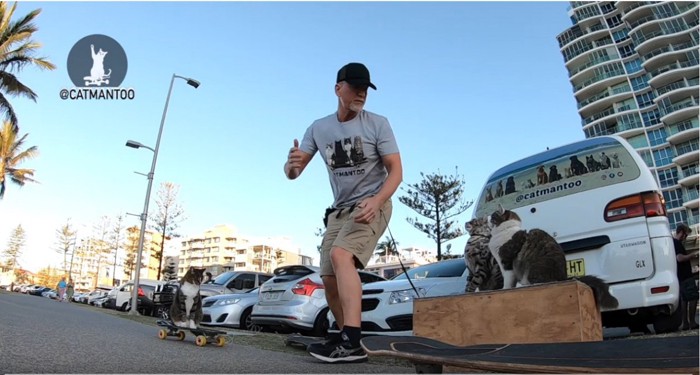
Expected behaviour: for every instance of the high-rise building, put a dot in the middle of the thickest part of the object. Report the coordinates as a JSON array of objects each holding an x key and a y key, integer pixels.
[{"x": 633, "y": 66}]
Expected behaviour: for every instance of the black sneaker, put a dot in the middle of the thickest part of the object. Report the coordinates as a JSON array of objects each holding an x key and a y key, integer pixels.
[
  {"x": 342, "y": 352},
  {"x": 330, "y": 339}
]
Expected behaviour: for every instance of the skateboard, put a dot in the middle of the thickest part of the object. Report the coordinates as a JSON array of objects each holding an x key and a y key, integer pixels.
[
  {"x": 203, "y": 336},
  {"x": 655, "y": 355},
  {"x": 302, "y": 341}
]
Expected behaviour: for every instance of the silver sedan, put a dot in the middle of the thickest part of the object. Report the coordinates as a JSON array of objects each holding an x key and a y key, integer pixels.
[{"x": 231, "y": 310}]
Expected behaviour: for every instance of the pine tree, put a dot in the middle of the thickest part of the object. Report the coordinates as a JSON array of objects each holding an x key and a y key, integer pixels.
[
  {"x": 437, "y": 198},
  {"x": 13, "y": 251},
  {"x": 65, "y": 241}
]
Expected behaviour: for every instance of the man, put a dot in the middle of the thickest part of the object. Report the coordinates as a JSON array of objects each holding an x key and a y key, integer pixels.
[
  {"x": 364, "y": 169},
  {"x": 686, "y": 281}
]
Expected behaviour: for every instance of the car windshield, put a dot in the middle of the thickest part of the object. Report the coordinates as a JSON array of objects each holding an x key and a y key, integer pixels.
[
  {"x": 254, "y": 290},
  {"x": 451, "y": 268},
  {"x": 223, "y": 279}
]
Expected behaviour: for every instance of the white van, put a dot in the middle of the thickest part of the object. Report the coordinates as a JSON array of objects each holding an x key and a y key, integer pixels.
[
  {"x": 145, "y": 294},
  {"x": 600, "y": 201}
]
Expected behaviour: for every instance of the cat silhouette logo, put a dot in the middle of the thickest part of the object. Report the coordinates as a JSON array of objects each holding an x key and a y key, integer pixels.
[{"x": 97, "y": 61}]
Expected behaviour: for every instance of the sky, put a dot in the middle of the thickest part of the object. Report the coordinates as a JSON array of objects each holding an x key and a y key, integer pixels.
[{"x": 471, "y": 85}]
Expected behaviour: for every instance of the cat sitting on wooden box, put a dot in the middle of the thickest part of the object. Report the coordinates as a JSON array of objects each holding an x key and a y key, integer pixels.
[{"x": 534, "y": 257}]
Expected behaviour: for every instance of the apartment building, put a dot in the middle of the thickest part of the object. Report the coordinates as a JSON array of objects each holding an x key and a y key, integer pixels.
[
  {"x": 633, "y": 67},
  {"x": 390, "y": 265},
  {"x": 222, "y": 248}
]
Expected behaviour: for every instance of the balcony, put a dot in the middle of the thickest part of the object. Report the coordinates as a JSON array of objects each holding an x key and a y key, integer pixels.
[
  {"x": 690, "y": 199},
  {"x": 647, "y": 58},
  {"x": 687, "y": 157},
  {"x": 607, "y": 93},
  {"x": 640, "y": 39},
  {"x": 689, "y": 176},
  {"x": 675, "y": 66},
  {"x": 674, "y": 112},
  {"x": 593, "y": 62},
  {"x": 682, "y": 132},
  {"x": 681, "y": 84},
  {"x": 600, "y": 78}
]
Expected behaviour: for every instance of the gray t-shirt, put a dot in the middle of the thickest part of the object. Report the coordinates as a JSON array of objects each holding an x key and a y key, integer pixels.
[{"x": 353, "y": 153}]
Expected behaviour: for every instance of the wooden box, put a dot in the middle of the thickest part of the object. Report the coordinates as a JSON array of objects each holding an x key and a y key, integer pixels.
[{"x": 553, "y": 312}]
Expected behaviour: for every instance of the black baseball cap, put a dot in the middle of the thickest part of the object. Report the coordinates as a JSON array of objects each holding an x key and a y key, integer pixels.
[{"x": 355, "y": 74}]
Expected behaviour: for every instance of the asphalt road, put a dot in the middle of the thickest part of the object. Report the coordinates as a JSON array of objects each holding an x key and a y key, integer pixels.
[{"x": 39, "y": 335}]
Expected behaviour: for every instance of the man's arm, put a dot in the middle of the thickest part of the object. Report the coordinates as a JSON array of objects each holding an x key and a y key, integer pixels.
[
  {"x": 392, "y": 163},
  {"x": 297, "y": 160},
  {"x": 686, "y": 257},
  {"x": 370, "y": 207}
]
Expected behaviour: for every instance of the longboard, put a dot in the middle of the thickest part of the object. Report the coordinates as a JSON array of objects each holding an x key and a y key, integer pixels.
[
  {"x": 302, "y": 341},
  {"x": 203, "y": 336},
  {"x": 656, "y": 355}
]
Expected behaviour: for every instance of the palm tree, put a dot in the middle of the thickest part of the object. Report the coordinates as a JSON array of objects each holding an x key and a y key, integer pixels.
[
  {"x": 11, "y": 156},
  {"x": 17, "y": 50},
  {"x": 386, "y": 247}
]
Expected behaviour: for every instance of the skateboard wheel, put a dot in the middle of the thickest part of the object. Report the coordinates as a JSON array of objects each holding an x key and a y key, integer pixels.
[
  {"x": 162, "y": 334},
  {"x": 220, "y": 341},
  {"x": 200, "y": 340},
  {"x": 426, "y": 368},
  {"x": 181, "y": 335}
]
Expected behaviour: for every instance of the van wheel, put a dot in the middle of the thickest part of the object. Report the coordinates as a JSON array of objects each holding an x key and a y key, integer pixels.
[
  {"x": 125, "y": 306},
  {"x": 668, "y": 323},
  {"x": 321, "y": 324}
]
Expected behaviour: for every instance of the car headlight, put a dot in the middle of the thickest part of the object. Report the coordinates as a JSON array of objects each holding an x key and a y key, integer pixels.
[
  {"x": 407, "y": 295},
  {"x": 228, "y": 301}
]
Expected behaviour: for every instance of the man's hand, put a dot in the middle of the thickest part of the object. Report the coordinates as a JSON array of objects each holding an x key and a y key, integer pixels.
[
  {"x": 369, "y": 210},
  {"x": 294, "y": 157},
  {"x": 296, "y": 161}
]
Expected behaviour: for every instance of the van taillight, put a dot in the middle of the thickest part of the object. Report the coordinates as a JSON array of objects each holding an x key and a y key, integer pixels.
[
  {"x": 647, "y": 204},
  {"x": 140, "y": 292},
  {"x": 306, "y": 287}
]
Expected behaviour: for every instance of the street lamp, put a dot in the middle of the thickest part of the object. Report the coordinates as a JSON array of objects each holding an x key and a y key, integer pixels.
[{"x": 144, "y": 214}]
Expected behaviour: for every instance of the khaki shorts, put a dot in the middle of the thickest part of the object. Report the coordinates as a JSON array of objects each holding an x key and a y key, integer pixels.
[{"x": 359, "y": 239}]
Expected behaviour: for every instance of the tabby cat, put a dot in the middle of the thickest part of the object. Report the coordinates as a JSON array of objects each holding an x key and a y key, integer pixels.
[
  {"x": 533, "y": 257},
  {"x": 484, "y": 272},
  {"x": 186, "y": 310}
]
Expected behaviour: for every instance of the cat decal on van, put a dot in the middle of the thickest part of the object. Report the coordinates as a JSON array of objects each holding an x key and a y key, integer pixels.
[{"x": 568, "y": 172}]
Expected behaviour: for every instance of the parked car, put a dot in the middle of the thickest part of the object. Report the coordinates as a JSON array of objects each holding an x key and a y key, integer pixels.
[
  {"x": 95, "y": 294},
  {"x": 77, "y": 296},
  {"x": 231, "y": 310},
  {"x": 103, "y": 301},
  {"x": 608, "y": 215},
  {"x": 296, "y": 298},
  {"x": 387, "y": 306},
  {"x": 23, "y": 288},
  {"x": 231, "y": 282},
  {"x": 51, "y": 293},
  {"x": 33, "y": 289},
  {"x": 145, "y": 292},
  {"x": 38, "y": 290}
]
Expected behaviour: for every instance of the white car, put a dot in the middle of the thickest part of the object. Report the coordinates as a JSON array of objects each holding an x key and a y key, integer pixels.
[
  {"x": 296, "y": 299},
  {"x": 387, "y": 306},
  {"x": 231, "y": 310}
]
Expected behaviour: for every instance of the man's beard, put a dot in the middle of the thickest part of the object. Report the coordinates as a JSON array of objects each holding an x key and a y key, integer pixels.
[{"x": 356, "y": 107}]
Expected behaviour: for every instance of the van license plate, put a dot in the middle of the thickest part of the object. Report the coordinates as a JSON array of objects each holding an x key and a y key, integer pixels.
[{"x": 575, "y": 267}]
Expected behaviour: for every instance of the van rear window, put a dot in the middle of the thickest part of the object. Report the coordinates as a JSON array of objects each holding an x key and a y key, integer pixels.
[{"x": 555, "y": 173}]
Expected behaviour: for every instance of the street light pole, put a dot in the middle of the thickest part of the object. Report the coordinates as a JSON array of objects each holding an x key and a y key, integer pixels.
[{"x": 144, "y": 214}]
